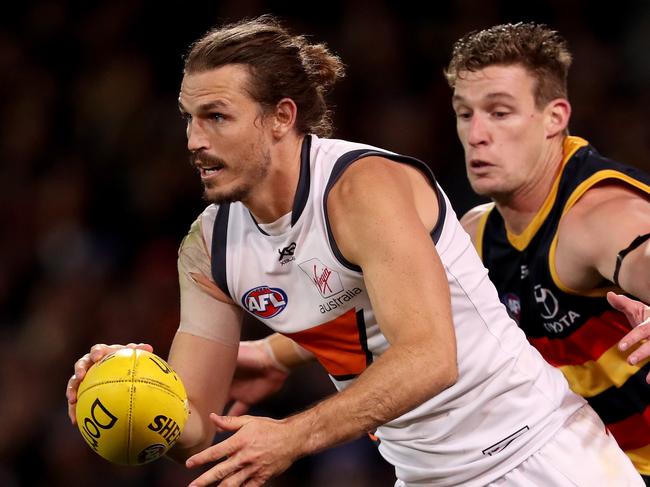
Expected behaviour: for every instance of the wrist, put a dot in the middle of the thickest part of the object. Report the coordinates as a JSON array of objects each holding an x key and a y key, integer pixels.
[
  {"x": 285, "y": 352},
  {"x": 270, "y": 357}
]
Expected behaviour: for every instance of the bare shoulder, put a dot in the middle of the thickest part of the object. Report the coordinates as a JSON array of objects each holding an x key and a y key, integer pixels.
[
  {"x": 371, "y": 185},
  {"x": 471, "y": 220},
  {"x": 375, "y": 197},
  {"x": 607, "y": 203},
  {"x": 363, "y": 176}
]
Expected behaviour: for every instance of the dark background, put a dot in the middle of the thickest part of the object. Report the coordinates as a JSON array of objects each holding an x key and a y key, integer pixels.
[{"x": 96, "y": 192}]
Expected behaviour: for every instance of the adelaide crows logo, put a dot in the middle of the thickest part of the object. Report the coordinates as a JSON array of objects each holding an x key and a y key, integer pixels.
[{"x": 264, "y": 301}]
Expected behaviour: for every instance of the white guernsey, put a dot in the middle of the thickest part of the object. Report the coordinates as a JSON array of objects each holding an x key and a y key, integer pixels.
[{"x": 507, "y": 403}]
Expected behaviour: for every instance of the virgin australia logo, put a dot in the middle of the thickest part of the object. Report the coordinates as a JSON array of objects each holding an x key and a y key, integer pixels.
[{"x": 327, "y": 281}]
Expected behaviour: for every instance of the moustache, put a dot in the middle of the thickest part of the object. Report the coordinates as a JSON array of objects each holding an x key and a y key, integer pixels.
[{"x": 205, "y": 160}]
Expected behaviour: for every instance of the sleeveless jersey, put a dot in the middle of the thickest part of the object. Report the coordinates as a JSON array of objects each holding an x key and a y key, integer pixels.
[
  {"x": 507, "y": 401},
  {"x": 577, "y": 332}
]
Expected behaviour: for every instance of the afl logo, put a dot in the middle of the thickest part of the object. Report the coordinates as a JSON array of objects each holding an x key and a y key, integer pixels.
[
  {"x": 513, "y": 305},
  {"x": 264, "y": 301}
]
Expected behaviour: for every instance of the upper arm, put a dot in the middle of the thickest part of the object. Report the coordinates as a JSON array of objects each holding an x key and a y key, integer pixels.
[
  {"x": 205, "y": 310},
  {"x": 377, "y": 226},
  {"x": 602, "y": 223}
]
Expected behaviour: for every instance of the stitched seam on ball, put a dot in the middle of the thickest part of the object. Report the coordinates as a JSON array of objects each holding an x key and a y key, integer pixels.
[
  {"x": 131, "y": 397},
  {"x": 158, "y": 384}
]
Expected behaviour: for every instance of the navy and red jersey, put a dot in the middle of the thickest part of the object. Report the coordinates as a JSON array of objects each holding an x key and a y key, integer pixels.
[{"x": 575, "y": 331}]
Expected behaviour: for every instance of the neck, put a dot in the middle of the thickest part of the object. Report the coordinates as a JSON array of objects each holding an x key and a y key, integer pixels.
[
  {"x": 519, "y": 207},
  {"x": 275, "y": 195}
]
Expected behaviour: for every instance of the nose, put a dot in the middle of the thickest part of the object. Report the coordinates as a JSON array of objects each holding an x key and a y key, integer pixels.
[
  {"x": 196, "y": 137},
  {"x": 477, "y": 132}
]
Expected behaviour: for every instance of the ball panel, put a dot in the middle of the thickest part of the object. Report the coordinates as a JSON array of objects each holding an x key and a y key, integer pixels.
[
  {"x": 150, "y": 367},
  {"x": 117, "y": 366},
  {"x": 158, "y": 420},
  {"x": 131, "y": 407},
  {"x": 104, "y": 419}
]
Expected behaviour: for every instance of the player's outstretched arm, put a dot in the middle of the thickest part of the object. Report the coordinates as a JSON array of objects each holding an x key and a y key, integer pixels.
[
  {"x": 376, "y": 224},
  {"x": 262, "y": 368},
  {"x": 598, "y": 240},
  {"x": 81, "y": 366}
]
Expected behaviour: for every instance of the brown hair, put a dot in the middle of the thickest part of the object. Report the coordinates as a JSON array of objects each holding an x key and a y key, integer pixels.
[
  {"x": 281, "y": 66},
  {"x": 542, "y": 51}
]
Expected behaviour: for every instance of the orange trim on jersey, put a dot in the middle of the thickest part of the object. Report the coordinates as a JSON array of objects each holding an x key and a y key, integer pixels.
[
  {"x": 480, "y": 230},
  {"x": 582, "y": 344},
  {"x": 575, "y": 196},
  {"x": 633, "y": 432},
  {"x": 641, "y": 459},
  {"x": 336, "y": 344},
  {"x": 521, "y": 241}
]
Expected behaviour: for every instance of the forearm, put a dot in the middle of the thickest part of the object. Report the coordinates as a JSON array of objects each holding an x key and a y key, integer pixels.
[
  {"x": 196, "y": 436},
  {"x": 400, "y": 380},
  {"x": 286, "y": 352},
  {"x": 206, "y": 368}
]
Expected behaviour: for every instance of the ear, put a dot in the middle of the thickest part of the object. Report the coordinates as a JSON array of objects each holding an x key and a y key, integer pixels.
[
  {"x": 558, "y": 113},
  {"x": 284, "y": 117}
]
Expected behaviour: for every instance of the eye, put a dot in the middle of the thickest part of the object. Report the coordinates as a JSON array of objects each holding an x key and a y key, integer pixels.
[
  {"x": 499, "y": 114},
  {"x": 217, "y": 117},
  {"x": 463, "y": 115}
]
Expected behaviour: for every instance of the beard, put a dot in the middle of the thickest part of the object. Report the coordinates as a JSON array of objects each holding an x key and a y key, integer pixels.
[{"x": 248, "y": 174}]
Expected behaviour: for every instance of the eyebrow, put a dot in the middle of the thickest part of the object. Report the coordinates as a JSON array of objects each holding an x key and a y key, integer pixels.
[
  {"x": 206, "y": 107},
  {"x": 489, "y": 96}
]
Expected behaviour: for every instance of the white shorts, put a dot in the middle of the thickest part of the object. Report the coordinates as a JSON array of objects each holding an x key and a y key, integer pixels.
[{"x": 581, "y": 454}]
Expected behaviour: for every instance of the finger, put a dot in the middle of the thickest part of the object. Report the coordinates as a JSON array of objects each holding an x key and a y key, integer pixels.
[
  {"x": 242, "y": 477},
  {"x": 229, "y": 423},
  {"x": 144, "y": 346},
  {"x": 640, "y": 332},
  {"x": 623, "y": 304},
  {"x": 238, "y": 408},
  {"x": 97, "y": 352},
  {"x": 214, "y": 453},
  {"x": 71, "y": 389},
  {"x": 72, "y": 413},
  {"x": 139, "y": 346},
  {"x": 640, "y": 354},
  {"x": 217, "y": 473},
  {"x": 81, "y": 366}
]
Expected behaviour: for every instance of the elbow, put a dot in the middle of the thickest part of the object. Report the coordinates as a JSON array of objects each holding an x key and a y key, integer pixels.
[{"x": 197, "y": 435}]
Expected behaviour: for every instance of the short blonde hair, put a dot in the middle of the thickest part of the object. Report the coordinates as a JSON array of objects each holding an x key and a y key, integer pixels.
[{"x": 542, "y": 51}]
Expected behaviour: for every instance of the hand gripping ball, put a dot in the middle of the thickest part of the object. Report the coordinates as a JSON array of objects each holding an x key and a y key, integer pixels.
[{"x": 131, "y": 407}]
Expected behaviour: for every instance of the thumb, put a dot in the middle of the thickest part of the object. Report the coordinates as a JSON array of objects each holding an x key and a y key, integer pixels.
[
  {"x": 622, "y": 303},
  {"x": 634, "y": 311}
]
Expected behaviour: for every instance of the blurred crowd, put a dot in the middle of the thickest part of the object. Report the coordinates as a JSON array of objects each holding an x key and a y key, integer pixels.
[{"x": 96, "y": 192}]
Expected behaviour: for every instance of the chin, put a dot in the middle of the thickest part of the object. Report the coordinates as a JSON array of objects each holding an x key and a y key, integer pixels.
[{"x": 219, "y": 197}]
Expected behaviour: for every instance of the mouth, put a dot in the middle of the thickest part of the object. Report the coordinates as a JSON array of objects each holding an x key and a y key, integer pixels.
[
  {"x": 478, "y": 164},
  {"x": 207, "y": 165},
  {"x": 207, "y": 172}
]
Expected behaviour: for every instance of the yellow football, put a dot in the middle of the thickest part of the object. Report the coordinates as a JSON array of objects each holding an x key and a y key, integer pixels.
[{"x": 131, "y": 407}]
